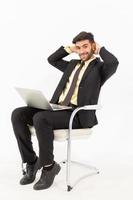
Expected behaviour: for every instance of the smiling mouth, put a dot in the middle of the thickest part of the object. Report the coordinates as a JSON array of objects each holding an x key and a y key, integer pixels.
[{"x": 85, "y": 54}]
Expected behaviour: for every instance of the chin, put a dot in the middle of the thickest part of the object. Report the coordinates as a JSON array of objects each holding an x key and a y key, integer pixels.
[{"x": 85, "y": 58}]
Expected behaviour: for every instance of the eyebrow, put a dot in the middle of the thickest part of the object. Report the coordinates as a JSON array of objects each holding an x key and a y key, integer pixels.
[{"x": 82, "y": 45}]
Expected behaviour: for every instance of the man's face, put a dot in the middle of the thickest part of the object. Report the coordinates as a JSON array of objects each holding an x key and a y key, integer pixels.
[{"x": 85, "y": 49}]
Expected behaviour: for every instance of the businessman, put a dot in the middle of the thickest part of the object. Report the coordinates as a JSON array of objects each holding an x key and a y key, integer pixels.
[{"x": 80, "y": 85}]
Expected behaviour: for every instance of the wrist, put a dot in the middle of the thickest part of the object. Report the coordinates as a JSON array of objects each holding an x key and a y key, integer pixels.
[{"x": 68, "y": 49}]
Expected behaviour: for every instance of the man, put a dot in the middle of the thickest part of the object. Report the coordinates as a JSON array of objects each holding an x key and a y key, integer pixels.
[{"x": 80, "y": 85}]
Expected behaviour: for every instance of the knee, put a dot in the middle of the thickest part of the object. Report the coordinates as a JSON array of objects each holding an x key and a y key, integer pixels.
[
  {"x": 40, "y": 118},
  {"x": 16, "y": 114}
]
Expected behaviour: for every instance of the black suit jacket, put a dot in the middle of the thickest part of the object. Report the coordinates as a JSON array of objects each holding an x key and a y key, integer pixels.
[{"x": 94, "y": 77}]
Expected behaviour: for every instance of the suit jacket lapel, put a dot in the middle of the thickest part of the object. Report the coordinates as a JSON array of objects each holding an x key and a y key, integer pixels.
[
  {"x": 68, "y": 72},
  {"x": 70, "y": 69}
]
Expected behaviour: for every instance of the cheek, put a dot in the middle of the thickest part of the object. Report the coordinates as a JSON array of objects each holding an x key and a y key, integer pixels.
[
  {"x": 88, "y": 50},
  {"x": 77, "y": 50}
]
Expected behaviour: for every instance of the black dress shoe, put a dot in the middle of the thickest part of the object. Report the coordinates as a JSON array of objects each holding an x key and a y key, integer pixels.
[
  {"x": 30, "y": 174},
  {"x": 47, "y": 177}
]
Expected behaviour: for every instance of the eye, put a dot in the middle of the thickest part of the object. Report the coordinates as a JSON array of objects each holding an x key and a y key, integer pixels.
[
  {"x": 85, "y": 46},
  {"x": 77, "y": 47}
]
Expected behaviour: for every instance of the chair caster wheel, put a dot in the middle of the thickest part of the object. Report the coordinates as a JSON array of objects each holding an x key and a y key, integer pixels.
[{"x": 69, "y": 188}]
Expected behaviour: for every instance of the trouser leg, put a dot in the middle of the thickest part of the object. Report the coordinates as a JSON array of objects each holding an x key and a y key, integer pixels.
[
  {"x": 21, "y": 118},
  {"x": 45, "y": 122}
]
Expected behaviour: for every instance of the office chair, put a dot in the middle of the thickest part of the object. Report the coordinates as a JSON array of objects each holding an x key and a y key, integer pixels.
[{"x": 72, "y": 134}]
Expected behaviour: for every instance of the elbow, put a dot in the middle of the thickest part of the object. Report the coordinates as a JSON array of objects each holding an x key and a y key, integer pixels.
[
  {"x": 116, "y": 63},
  {"x": 113, "y": 65},
  {"x": 49, "y": 59}
]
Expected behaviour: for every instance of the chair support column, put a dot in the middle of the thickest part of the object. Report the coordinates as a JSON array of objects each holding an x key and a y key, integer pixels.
[
  {"x": 68, "y": 169},
  {"x": 68, "y": 166}
]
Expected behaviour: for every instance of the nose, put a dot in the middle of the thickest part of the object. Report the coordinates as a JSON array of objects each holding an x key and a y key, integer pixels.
[{"x": 81, "y": 51}]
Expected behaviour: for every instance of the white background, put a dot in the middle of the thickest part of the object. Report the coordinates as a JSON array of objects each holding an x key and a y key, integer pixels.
[{"x": 30, "y": 31}]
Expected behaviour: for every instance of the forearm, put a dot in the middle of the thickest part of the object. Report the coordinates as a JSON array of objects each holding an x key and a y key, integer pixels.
[
  {"x": 59, "y": 54},
  {"x": 56, "y": 59}
]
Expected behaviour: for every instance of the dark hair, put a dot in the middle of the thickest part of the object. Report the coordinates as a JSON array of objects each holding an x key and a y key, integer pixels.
[{"x": 83, "y": 36}]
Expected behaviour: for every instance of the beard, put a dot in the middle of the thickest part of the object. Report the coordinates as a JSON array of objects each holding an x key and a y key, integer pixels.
[{"x": 86, "y": 56}]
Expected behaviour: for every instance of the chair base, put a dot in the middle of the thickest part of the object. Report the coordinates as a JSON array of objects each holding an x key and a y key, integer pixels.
[
  {"x": 69, "y": 188},
  {"x": 91, "y": 168}
]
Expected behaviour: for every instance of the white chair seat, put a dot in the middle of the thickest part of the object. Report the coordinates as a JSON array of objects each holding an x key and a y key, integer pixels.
[{"x": 62, "y": 134}]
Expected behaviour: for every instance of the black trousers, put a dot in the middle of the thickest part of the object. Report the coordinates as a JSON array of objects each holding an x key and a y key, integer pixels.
[{"x": 44, "y": 121}]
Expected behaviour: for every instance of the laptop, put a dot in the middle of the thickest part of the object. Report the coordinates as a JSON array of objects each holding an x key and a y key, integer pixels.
[{"x": 36, "y": 99}]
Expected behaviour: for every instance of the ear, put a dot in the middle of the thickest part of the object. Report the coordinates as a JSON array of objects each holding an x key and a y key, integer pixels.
[{"x": 94, "y": 46}]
